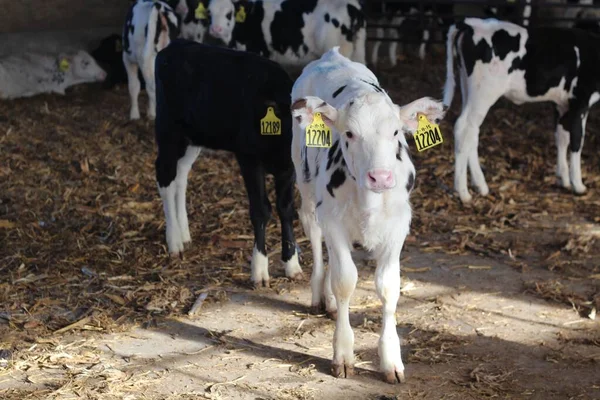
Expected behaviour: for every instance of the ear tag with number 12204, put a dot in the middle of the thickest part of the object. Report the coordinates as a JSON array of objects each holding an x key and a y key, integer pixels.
[
  {"x": 270, "y": 124},
  {"x": 427, "y": 134},
  {"x": 318, "y": 134}
]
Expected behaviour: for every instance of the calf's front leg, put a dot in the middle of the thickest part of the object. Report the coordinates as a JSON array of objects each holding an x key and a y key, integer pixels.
[
  {"x": 343, "y": 282},
  {"x": 387, "y": 283}
]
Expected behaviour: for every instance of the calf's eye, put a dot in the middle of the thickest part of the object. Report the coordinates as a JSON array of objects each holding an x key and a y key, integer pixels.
[
  {"x": 349, "y": 135},
  {"x": 395, "y": 133}
]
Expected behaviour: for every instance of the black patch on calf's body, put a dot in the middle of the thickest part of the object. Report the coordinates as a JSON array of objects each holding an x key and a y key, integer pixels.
[
  {"x": 338, "y": 91},
  {"x": 471, "y": 51},
  {"x": 250, "y": 33},
  {"x": 338, "y": 156},
  {"x": 287, "y": 24},
  {"x": 503, "y": 43},
  {"x": 331, "y": 154},
  {"x": 305, "y": 166},
  {"x": 335, "y": 22},
  {"x": 327, "y": 17},
  {"x": 357, "y": 22},
  {"x": 337, "y": 179},
  {"x": 319, "y": 203},
  {"x": 375, "y": 86},
  {"x": 410, "y": 184},
  {"x": 550, "y": 57}
]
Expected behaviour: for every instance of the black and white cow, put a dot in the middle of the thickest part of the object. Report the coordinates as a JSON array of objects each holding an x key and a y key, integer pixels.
[
  {"x": 355, "y": 191},
  {"x": 215, "y": 97},
  {"x": 29, "y": 74},
  {"x": 291, "y": 32},
  {"x": 195, "y": 24},
  {"x": 150, "y": 26},
  {"x": 497, "y": 59}
]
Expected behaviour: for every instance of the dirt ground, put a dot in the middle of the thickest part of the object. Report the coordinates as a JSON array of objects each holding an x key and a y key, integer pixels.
[{"x": 498, "y": 298}]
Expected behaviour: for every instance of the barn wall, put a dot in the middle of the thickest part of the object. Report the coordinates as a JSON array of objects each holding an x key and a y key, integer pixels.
[
  {"x": 58, "y": 25},
  {"x": 53, "y": 15}
]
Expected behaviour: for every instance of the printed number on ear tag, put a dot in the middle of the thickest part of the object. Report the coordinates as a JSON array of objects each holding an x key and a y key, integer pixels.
[
  {"x": 427, "y": 134},
  {"x": 63, "y": 65},
  {"x": 318, "y": 134},
  {"x": 240, "y": 15},
  {"x": 201, "y": 12},
  {"x": 270, "y": 124}
]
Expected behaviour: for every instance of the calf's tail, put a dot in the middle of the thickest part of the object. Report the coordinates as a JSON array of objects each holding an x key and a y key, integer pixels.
[{"x": 450, "y": 85}]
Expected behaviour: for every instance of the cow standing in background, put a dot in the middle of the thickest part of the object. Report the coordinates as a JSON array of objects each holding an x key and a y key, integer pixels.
[
  {"x": 500, "y": 59},
  {"x": 149, "y": 27},
  {"x": 291, "y": 32}
]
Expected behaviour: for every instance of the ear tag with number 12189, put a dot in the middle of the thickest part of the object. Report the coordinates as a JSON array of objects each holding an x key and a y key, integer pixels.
[
  {"x": 318, "y": 134},
  {"x": 427, "y": 134},
  {"x": 270, "y": 124}
]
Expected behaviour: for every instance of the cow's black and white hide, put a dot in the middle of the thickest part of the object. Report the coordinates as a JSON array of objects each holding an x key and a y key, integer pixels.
[
  {"x": 291, "y": 32},
  {"x": 215, "y": 97},
  {"x": 500, "y": 59},
  {"x": 356, "y": 191},
  {"x": 150, "y": 26}
]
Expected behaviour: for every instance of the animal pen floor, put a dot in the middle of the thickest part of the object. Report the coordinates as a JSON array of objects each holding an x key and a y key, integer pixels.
[{"x": 498, "y": 298}]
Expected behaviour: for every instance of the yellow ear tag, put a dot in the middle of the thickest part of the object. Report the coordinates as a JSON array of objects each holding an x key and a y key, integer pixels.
[
  {"x": 240, "y": 15},
  {"x": 427, "y": 134},
  {"x": 270, "y": 124},
  {"x": 201, "y": 12},
  {"x": 118, "y": 46},
  {"x": 318, "y": 134},
  {"x": 63, "y": 65}
]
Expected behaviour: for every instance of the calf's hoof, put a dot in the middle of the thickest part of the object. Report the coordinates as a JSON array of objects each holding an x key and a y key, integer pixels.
[
  {"x": 394, "y": 376},
  {"x": 579, "y": 189},
  {"x": 342, "y": 370},
  {"x": 332, "y": 314},
  {"x": 318, "y": 309},
  {"x": 465, "y": 197},
  {"x": 261, "y": 283}
]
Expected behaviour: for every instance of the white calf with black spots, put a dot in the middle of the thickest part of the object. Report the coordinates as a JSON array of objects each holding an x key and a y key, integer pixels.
[
  {"x": 497, "y": 59},
  {"x": 291, "y": 32},
  {"x": 149, "y": 27},
  {"x": 28, "y": 74},
  {"x": 355, "y": 191}
]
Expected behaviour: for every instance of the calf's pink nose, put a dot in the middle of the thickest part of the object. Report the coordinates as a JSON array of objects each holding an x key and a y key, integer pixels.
[
  {"x": 216, "y": 29},
  {"x": 380, "y": 179}
]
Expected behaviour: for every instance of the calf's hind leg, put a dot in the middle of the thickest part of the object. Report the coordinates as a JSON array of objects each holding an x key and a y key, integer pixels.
[
  {"x": 184, "y": 165},
  {"x": 253, "y": 173},
  {"x": 466, "y": 141},
  {"x": 284, "y": 189}
]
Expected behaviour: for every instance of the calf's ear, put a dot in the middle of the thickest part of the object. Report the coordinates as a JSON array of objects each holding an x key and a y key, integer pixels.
[
  {"x": 434, "y": 110},
  {"x": 304, "y": 109}
]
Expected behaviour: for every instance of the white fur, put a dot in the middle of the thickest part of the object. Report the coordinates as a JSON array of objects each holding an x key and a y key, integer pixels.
[
  {"x": 173, "y": 197},
  {"x": 142, "y": 50},
  {"x": 319, "y": 36},
  {"x": 483, "y": 88},
  {"x": 259, "y": 268},
  {"x": 379, "y": 219},
  {"x": 28, "y": 74}
]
